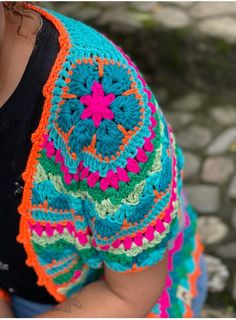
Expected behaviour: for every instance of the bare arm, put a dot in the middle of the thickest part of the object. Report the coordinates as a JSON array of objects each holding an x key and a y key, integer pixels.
[
  {"x": 5, "y": 307},
  {"x": 118, "y": 295},
  {"x": 5, "y": 310}
]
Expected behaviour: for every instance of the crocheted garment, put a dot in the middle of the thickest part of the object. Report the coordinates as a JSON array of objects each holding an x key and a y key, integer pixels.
[{"x": 103, "y": 178}]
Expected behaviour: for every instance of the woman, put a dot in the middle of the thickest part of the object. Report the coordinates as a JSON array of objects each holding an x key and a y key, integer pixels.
[{"x": 95, "y": 222}]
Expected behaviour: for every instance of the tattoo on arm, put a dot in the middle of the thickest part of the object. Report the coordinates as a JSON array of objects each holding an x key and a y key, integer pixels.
[{"x": 66, "y": 305}]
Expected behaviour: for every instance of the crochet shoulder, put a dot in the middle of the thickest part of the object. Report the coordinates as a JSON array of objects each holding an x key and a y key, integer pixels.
[
  {"x": 85, "y": 40},
  {"x": 106, "y": 126}
]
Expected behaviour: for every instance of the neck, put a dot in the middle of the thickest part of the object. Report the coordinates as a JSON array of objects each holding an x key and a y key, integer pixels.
[{"x": 15, "y": 50}]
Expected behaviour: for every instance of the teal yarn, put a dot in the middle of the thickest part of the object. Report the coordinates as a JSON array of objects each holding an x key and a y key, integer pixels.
[{"x": 105, "y": 174}]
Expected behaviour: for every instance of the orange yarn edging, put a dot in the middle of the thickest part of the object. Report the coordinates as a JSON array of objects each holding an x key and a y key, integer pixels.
[
  {"x": 24, "y": 236},
  {"x": 152, "y": 315},
  {"x": 193, "y": 276}
]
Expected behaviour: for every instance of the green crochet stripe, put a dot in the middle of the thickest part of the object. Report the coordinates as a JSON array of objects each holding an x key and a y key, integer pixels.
[
  {"x": 66, "y": 276},
  {"x": 134, "y": 250},
  {"x": 105, "y": 206},
  {"x": 146, "y": 250},
  {"x": 58, "y": 246},
  {"x": 116, "y": 196},
  {"x": 56, "y": 238},
  {"x": 96, "y": 193},
  {"x": 59, "y": 242}
]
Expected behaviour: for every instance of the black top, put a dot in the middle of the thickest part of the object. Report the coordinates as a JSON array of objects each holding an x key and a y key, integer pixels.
[{"x": 19, "y": 118}]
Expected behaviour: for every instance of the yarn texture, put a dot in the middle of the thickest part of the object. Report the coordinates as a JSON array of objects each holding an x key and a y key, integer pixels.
[{"x": 103, "y": 181}]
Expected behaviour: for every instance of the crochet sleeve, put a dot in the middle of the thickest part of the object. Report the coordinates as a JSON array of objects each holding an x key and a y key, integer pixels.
[{"x": 128, "y": 171}]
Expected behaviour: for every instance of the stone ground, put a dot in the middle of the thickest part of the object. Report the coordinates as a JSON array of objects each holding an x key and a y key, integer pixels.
[{"x": 186, "y": 51}]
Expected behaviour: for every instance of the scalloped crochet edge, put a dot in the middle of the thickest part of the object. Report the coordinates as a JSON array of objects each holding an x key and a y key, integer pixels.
[{"x": 37, "y": 139}]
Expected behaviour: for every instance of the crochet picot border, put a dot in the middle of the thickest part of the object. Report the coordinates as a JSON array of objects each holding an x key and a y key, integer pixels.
[{"x": 37, "y": 140}]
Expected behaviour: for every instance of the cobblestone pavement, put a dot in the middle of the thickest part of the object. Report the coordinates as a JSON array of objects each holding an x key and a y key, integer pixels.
[{"x": 186, "y": 51}]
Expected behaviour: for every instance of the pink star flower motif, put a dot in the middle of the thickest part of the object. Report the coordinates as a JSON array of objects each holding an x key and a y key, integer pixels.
[{"x": 97, "y": 105}]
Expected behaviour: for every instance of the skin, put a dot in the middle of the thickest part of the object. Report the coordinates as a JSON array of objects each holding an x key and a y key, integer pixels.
[
  {"x": 15, "y": 50},
  {"x": 5, "y": 310},
  {"x": 128, "y": 295},
  {"x": 118, "y": 294}
]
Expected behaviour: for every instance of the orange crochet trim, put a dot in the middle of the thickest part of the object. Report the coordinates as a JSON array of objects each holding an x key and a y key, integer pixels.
[
  {"x": 37, "y": 139},
  {"x": 194, "y": 276},
  {"x": 51, "y": 264},
  {"x": 152, "y": 315},
  {"x": 65, "y": 269},
  {"x": 134, "y": 269}
]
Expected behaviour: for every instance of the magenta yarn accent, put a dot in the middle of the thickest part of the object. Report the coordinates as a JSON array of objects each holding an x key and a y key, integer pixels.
[
  {"x": 148, "y": 145},
  {"x": 110, "y": 180},
  {"x": 67, "y": 175},
  {"x": 50, "y": 150},
  {"x": 159, "y": 226},
  {"x": 93, "y": 179},
  {"x": 58, "y": 157},
  {"x": 76, "y": 176},
  {"x": 30, "y": 226},
  {"x": 70, "y": 227},
  {"x": 154, "y": 121},
  {"x": 167, "y": 219},
  {"x": 138, "y": 239},
  {"x": 153, "y": 134},
  {"x": 127, "y": 242},
  {"x": 82, "y": 238},
  {"x": 152, "y": 107},
  {"x": 45, "y": 140},
  {"x": 116, "y": 243},
  {"x": 84, "y": 173},
  {"x": 122, "y": 175},
  {"x": 141, "y": 155},
  {"x": 142, "y": 79},
  {"x": 106, "y": 247},
  {"x": 132, "y": 165},
  {"x": 38, "y": 229},
  {"x": 149, "y": 94},
  {"x": 187, "y": 220},
  {"x": 97, "y": 105},
  {"x": 113, "y": 179},
  {"x": 80, "y": 167},
  {"x": 49, "y": 229},
  {"x": 104, "y": 184},
  {"x": 94, "y": 243},
  {"x": 174, "y": 195},
  {"x": 88, "y": 231},
  {"x": 164, "y": 300},
  {"x": 76, "y": 275},
  {"x": 59, "y": 228},
  {"x": 68, "y": 178},
  {"x": 149, "y": 234}
]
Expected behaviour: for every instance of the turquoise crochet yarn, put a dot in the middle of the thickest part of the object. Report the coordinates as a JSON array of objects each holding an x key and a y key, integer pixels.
[{"x": 103, "y": 182}]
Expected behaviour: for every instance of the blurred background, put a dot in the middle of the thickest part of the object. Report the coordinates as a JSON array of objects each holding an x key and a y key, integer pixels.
[{"x": 187, "y": 54}]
